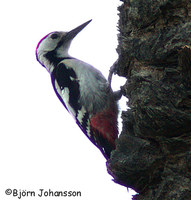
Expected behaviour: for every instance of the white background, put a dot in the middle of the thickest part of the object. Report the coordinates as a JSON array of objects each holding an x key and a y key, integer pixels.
[{"x": 40, "y": 144}]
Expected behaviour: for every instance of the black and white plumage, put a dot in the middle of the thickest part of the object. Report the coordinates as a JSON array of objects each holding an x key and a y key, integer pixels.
[{"x": 81, "y": 88}]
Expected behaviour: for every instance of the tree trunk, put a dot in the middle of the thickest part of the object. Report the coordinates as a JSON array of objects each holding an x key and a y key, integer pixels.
[{"x": 153, "y": 154}]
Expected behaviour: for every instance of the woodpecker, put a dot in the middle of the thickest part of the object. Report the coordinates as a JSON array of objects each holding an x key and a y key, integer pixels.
[{"x": 82, "y": 89}]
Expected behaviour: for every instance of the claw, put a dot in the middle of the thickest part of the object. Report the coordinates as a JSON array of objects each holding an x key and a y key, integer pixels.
[{"x": 113, "y": 70}]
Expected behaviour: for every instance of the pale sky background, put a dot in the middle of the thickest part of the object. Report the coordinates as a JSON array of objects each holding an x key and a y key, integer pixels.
[{"x": 40, "y": 144}]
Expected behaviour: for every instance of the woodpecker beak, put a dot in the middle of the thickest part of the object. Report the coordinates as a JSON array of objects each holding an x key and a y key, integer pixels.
[{"x": 70, "y": 35}]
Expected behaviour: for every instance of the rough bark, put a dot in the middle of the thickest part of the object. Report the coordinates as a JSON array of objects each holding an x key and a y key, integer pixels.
[{"x": 153, "y": 154}]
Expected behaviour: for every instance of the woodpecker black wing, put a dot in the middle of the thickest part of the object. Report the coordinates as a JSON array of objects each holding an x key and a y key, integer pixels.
[{"x": 66, "y": 85}]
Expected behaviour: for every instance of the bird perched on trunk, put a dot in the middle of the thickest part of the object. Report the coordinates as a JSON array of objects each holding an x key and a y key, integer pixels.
[{"x": 81, "y": 88}]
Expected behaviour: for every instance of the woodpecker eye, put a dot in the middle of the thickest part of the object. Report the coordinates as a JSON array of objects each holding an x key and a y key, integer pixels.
[{"x": 54, "y": 36}]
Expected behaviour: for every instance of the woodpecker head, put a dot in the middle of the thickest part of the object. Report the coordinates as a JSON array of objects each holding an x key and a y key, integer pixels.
[{"x": 54, "y": 47}]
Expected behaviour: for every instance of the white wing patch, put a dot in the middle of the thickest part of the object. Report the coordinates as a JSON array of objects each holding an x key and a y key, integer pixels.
[
  {"x": 88, "y": 129},
  {"x": 81, "y": 114},
  {"x": 80, "y": 118},
  {"x": 64, "y": 94}
]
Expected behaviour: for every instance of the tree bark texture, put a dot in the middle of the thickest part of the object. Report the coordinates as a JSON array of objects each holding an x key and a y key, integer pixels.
[{"x": 153, "y": 154}]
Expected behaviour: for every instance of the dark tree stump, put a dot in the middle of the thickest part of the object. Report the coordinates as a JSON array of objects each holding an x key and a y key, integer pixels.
[{"x": 153, "y": 154}]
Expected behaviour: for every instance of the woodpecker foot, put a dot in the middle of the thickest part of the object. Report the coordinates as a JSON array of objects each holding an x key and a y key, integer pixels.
[
  {"x": 118, "y": 94},
  {"x": 113, "y": 70}
]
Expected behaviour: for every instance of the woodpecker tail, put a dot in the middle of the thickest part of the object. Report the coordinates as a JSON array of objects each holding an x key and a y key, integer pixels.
[{"x": 105, "y": 129}]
